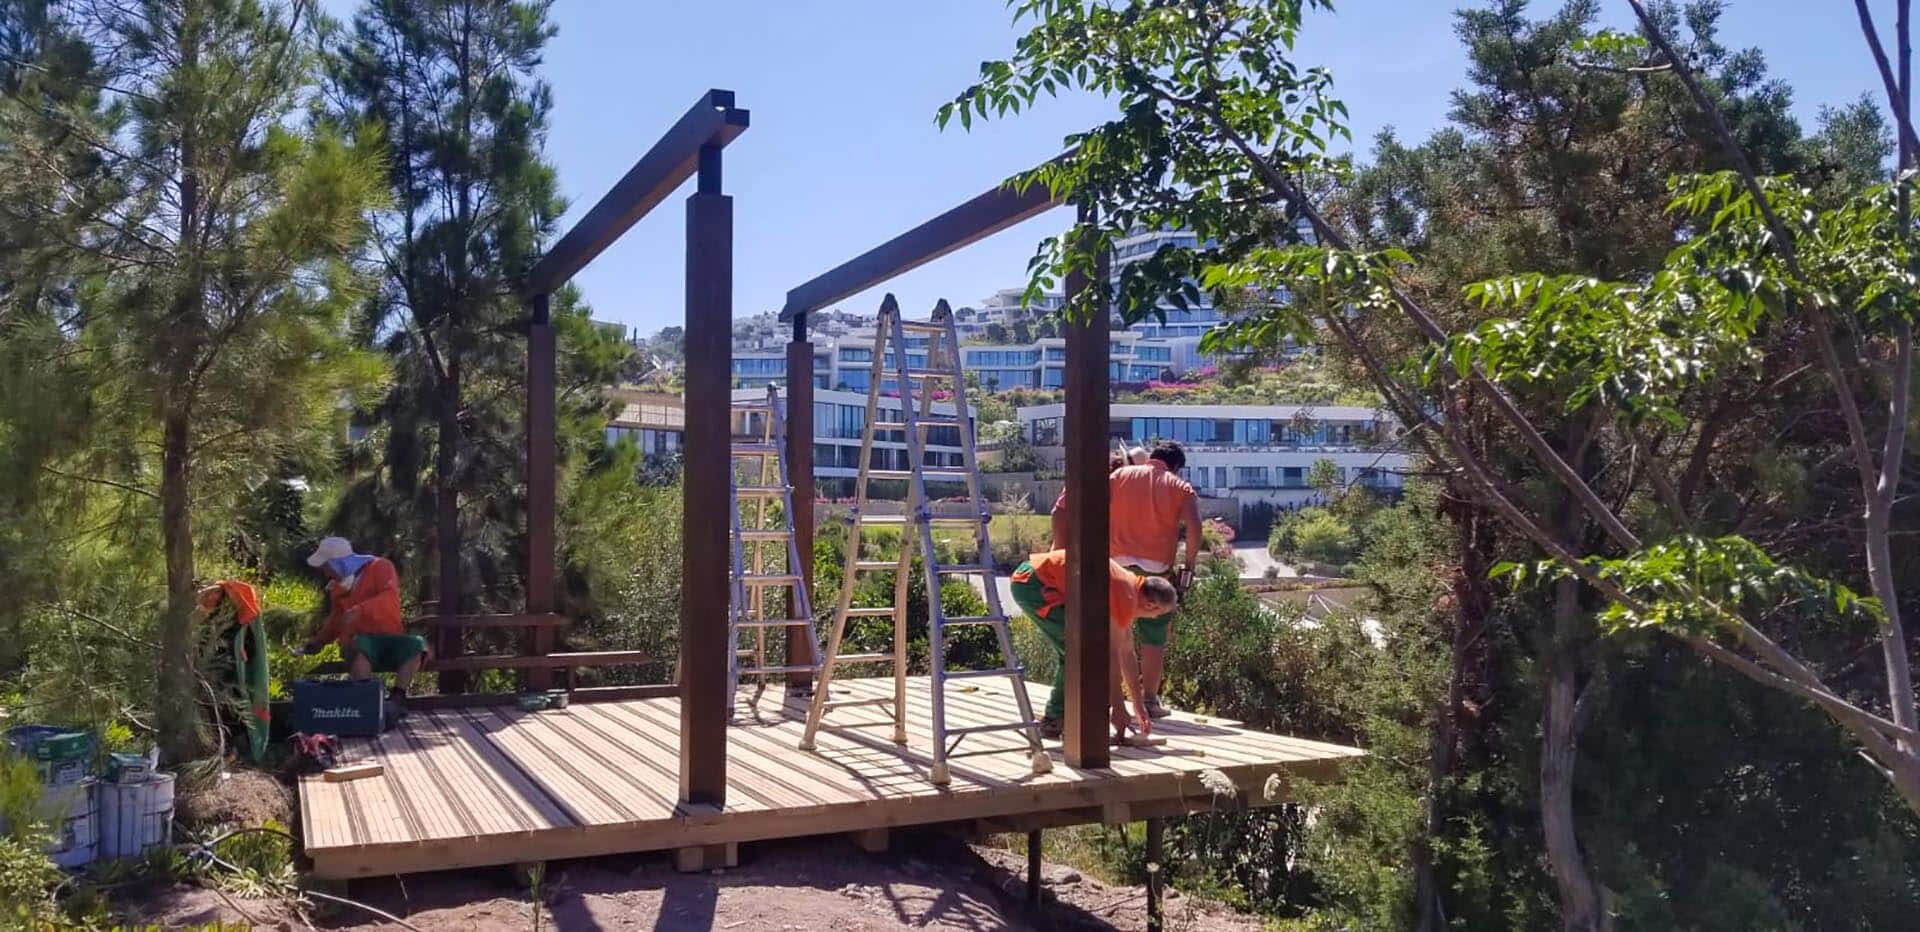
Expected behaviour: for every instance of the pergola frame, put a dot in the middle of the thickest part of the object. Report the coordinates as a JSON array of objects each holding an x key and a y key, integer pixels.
[
  {"x": 1088, "y": 392},
  {"x": 690, "y": 149}
]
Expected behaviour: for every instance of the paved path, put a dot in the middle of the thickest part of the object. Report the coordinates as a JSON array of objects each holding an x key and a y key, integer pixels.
[{"x": 1254, "y": 561}]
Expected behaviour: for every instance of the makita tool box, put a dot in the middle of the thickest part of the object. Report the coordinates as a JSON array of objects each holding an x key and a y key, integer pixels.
[{"x": 339, "y": 707}]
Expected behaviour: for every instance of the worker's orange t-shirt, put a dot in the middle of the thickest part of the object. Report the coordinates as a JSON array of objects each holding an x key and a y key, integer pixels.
[
  {"x": 376, "y": 595},
  {"x": 1145, "y": 505},
  {"x": 1123, "y": 586}
]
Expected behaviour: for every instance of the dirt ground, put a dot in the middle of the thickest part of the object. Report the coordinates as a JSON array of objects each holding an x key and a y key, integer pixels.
[{"x": 927, "y": 881}]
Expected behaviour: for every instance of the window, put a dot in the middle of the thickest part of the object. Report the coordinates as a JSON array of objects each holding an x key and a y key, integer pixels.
[
  {"x": 1222, "y": 431},
  {"x": 1282, "y": 432},
  {"x": 856, "y": 354},
  {"x": 1250, "y": 477},
  {"x": 1046, "y": 431},
  {"x": 1293, "y": 477}
]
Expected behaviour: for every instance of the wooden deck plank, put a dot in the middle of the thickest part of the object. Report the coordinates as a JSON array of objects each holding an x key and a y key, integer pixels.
[{"x": 472, "y": 787}]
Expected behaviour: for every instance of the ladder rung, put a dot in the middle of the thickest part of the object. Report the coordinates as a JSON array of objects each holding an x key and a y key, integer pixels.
[
  {"x": 769, "y": 579},
  {"x": 885, "y": 611},
  {"x": 765, "y": 533},
  {"x": 760, "y": 491},
  {"x": 922, "y": 326},
  {"x": 867, "y": 566},
  {"x": 928, "y": 472},
  {"x": 856, "y": 703},
  {"x": 976, "y": 620},
  {"x": 929, "y": 374},
  {"x": 923, "y": 423},
  {"x": 864, "y": 658},
  {"x": 775, "y": 622},
  {"x": 961, "y": 568},
  {"x": 755, "y": 449},
  {"x": 763, "y": 671},
  {"x": 752, "y": 406},
  {"x": 983, "y": 674},
  {"x": 977, "y": 729}
]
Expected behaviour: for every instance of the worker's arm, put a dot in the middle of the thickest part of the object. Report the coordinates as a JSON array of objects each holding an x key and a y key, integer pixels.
[
  {"x": 1060, "y": 523},
  {"x": 376, "y": 579},
  {"x": 1126, "y": 667},
  {"x": 1196, "y": 541},
  {"x": 329, "y": 631}
]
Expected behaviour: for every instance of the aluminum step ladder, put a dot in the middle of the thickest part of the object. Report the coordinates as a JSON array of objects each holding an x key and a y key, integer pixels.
[
  {"x": 916, "y": 385},
  {"x": 759, "y": 478}
]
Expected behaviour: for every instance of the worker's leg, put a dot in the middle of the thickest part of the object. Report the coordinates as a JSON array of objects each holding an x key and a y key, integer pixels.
[
  {"x": 1153, "y": 635},
  {"x": 359, "y": 661},
  {"x": 403, "y": 677},
  {"x": 1031, "y": 597}
]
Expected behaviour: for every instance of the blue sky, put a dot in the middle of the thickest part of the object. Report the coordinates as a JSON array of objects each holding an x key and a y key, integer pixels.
[{"x": 843, "y": 152}]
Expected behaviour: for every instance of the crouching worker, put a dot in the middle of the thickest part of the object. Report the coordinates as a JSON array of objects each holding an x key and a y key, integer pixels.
[
  {"x": 1040, "y": 589},
  {"x": 364, "y": 616}
]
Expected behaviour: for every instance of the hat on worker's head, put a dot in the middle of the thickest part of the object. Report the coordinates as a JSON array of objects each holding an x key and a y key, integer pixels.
[
  {"x": 1137, "y": 456},
  {"x": 331, "y": 548}
]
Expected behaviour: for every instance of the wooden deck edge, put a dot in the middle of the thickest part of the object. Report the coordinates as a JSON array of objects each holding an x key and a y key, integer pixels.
[{"x": 1074, "y": 799}]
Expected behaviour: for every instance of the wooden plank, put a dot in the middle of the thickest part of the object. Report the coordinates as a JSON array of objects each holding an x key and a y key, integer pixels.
[
  {"x": 578, "y": 787},
  {"x": 597, "y": 658},
  {"x": 355, "y": 771},
  {"x": 535, "y": 802},
  {"x": 525, "y": 620},
  {"x": 480, "y": 780}
]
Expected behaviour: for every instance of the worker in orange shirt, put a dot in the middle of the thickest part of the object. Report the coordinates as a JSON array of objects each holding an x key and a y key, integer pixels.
[
  {"x": 1148, "y": 504},
  {"x": 364, "y": 616},
  {"x": 1040, "y": 589}
]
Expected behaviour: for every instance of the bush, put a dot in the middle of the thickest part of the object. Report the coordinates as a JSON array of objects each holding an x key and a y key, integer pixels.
[{"x": 1318, "y": 535}]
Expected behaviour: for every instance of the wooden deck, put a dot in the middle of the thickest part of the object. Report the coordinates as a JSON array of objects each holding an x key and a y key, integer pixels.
[{"x": 494, "y": 785}]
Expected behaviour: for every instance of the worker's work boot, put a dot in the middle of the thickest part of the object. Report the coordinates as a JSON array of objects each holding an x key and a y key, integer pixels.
[
  {"x": 1051, "y": 728},
  {"x": 1157, "y": 709},
  {"x": 396, "y": 703}
]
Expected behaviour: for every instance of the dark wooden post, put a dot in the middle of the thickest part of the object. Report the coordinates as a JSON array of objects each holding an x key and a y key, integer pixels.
[
  {"x": 704, "y": 556},
  {"x": 1033, "y": 867},
  {"x": 800, "y": 475},
  {"x": 1089, "y": 633},
  {"x": 542, "y": 449}
]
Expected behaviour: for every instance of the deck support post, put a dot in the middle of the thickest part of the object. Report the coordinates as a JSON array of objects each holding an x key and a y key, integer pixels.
[
  {"x": 1089, "y": 657},
  {"x": 800, "y": 476},
  {"x": 706, "y": 857},
  {"x": 1033, "y": 868},
  {"x": 872, "y": 840},
  {"x": 1155, "y": 918},
  {"x": 542, "y": 449},
  {"x": 704, "y": 563}
]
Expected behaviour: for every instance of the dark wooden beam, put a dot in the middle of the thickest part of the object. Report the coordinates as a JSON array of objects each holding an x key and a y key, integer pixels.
[
  {"x": 704, "y": 557},
  {"x": 1089, "y": 633},
  {"x": 800, "y": 477},
  {"x": 962, "y": 226},
  {"x": 711, "y": 121},
  {"x": 542, "y": 449}
]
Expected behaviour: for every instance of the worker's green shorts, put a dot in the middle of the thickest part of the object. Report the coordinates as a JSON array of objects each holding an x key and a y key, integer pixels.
[{"x": 389, "y": 652}]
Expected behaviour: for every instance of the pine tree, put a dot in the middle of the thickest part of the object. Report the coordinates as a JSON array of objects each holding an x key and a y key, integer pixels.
[
  {"x": 452, "y": 87},
  {"x": 215, "y": 240}
]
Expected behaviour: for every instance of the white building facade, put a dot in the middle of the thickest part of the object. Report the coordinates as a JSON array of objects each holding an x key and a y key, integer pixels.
[{"x": 1251, "y": 453}]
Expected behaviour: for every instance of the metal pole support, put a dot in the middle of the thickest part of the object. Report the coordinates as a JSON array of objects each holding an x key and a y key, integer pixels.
[
  {"x": 1156, "y": 921},
  {"x": 1033, "y": 868}
]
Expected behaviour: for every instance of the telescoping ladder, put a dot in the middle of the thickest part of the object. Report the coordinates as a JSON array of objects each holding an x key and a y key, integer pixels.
[
  {"x": 916, "y": 385},
  {"x": 759, "y": 478}
]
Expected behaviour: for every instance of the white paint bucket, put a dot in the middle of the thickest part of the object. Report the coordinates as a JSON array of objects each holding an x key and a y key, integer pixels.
[
  {"x": 136, "y": 816},
  {"x": 70, "y": 815}
]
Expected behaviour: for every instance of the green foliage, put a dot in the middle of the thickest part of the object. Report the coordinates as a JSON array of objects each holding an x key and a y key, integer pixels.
[{"x": 27, "y": 883}]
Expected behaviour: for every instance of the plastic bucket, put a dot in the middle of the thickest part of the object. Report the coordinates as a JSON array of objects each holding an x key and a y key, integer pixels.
[
  {"x": 69, "y": 813},
  {"x": 136, "y": 815}
]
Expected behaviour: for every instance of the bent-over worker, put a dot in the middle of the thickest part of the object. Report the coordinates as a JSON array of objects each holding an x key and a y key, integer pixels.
[
  {"x": 1147, "y": 505},
  {"x": 1040, "y": 589},
  {"x": 364, "y": 616}
]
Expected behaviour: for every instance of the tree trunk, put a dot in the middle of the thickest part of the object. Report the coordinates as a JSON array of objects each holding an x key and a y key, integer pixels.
[
  {"x": 1582, "y": 899},
  {"x": 181, "y": 736},
  {"x": 446, "y": 491}
]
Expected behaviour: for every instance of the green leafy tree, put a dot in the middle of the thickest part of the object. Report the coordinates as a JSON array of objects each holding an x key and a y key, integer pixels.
[
  {"x": 1219, "y": 131},
  {"x": 218, "y": 232}
]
